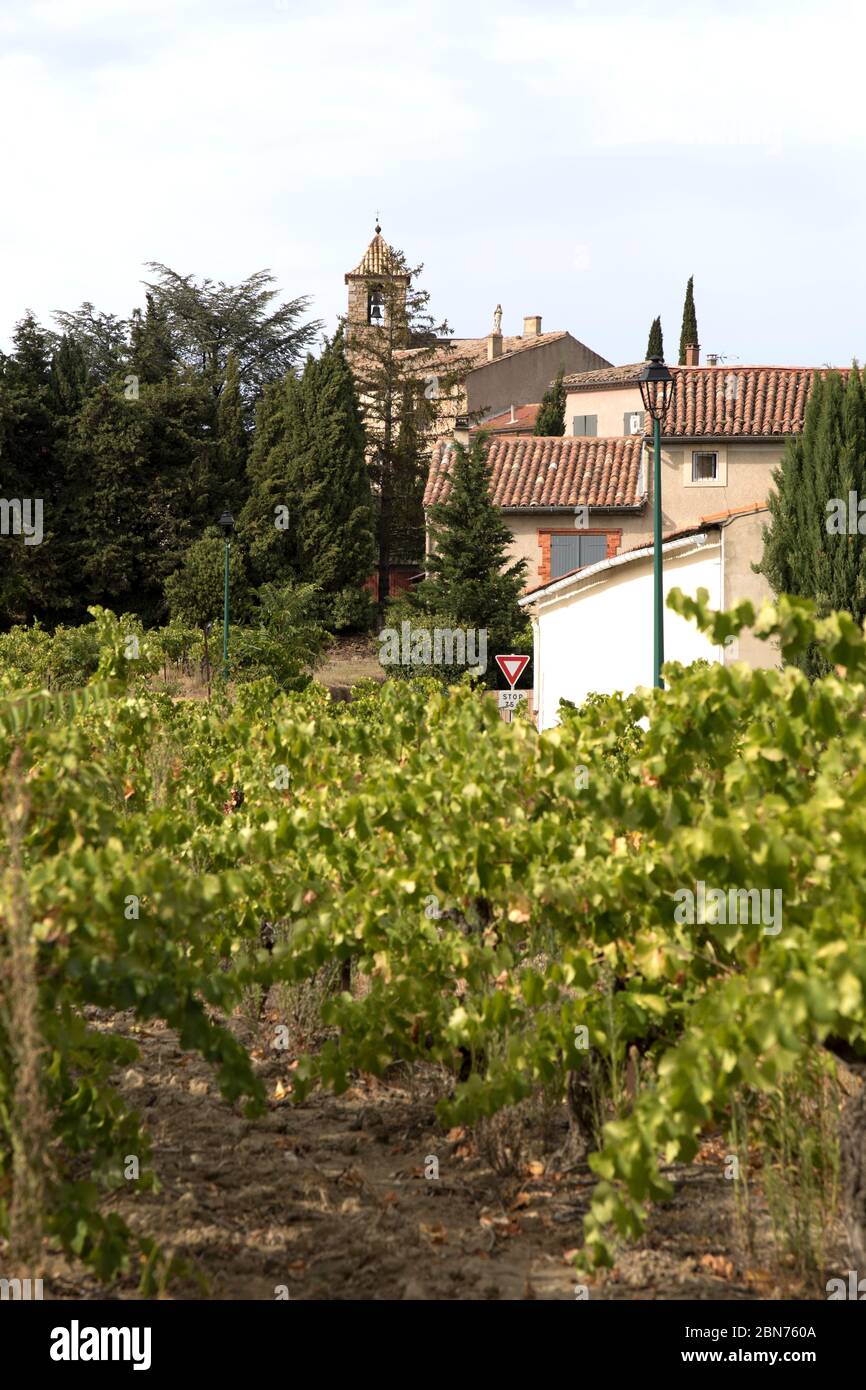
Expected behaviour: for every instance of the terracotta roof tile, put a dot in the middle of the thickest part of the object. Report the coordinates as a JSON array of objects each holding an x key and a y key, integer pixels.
[
  {"x": 473, "y": 351},
  {"x": 542, "y": 471},
  {"x": 606, "y": 376},
  {"x": 523, "y": 421},
  {"x": 733, "y": 511},
  {"x": 378, "y": 259},
  {"x": 760, "y": 402}
]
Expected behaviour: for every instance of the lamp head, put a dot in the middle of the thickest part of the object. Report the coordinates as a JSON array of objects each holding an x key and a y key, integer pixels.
[{"x": 656, "y": 388}]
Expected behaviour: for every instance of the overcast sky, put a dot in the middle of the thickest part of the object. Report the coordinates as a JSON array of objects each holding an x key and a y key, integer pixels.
[{"x": 568, "y": 158}]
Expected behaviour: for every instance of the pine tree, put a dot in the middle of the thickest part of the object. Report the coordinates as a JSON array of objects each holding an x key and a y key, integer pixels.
[
  {"x": 689, "y": 333},
  {"x": 551, "y": 416},
  {"x": 655, "y": 345},
  {"x": 808, "y": 547},
  {"x": 309, "y": 458},
  {"x": 209, "y": 321},
  {"x": 104, "y": 339},
  {"x": 470, "y": 575}
]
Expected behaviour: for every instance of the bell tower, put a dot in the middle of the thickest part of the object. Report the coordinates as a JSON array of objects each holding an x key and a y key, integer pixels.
[{"x": 377, "y": 290}]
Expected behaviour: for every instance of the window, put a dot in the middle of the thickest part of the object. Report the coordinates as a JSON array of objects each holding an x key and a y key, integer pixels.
[
  {"x": 573, "y": 552},
  {"x": 705, "y": 467},
  {"x": 585, "y": 424}
]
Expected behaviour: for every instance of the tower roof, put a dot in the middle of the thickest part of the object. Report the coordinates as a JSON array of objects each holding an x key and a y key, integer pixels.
[{"x": 378, "y": 259}]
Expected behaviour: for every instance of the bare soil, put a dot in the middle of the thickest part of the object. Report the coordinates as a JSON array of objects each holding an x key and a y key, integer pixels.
[{"x": 333, "y": 1199}]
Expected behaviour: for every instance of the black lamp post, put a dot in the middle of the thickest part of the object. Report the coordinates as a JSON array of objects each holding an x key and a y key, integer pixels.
[
  {"x": 227, "y": 522},
  {"x": 656, "y": 388}
]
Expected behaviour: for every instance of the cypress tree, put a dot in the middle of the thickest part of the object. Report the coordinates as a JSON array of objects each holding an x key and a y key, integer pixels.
[
  {"x": 470, "y": 575},
  {"x": 308, "y": 457},
  {"x": 261, "y": 527},
  {"x": 152, "y": 355},
  {"x": 655, "y": 345},
  {"x": 809, "y": 548},
  {"x": 34, "y": 572},
  {"x": 689, "y": 333},
  {"x": 142, "y": 480},
  {"x": 330, "y": 482},
  {"x": 69, "y": 377},
  {"x": 551, "y": 416},
  {"x": 232, "y": 444}
]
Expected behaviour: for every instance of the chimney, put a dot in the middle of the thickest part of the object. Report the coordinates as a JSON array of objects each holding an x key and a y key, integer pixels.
[
  {"x": 513, "y": 416},
  {"x": 532, "y": 326},
  {"x": 712, "y": 359},
  {"x": 494, "y": 346},
  {"x": 693, "y": 355}
]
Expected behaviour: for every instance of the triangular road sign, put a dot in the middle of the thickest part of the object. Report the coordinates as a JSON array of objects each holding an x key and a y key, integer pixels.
[{"x": 512, "y": 667}]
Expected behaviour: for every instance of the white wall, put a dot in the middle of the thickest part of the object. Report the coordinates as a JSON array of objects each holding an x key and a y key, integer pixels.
[{"x": 599, "y": 634}]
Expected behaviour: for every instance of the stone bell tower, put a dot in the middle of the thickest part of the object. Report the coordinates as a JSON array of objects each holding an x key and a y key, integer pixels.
[{"x": 377, "y": 290}]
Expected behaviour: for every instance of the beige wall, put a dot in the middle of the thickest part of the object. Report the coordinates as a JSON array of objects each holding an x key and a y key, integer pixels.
[
  {"x": 743, "y": 544},
  {"x": 746, "y": 476},
  {"x": 609, "y": 405},
  {"x": 525, "y": 529},
  {"x": 522, "y": 377}
]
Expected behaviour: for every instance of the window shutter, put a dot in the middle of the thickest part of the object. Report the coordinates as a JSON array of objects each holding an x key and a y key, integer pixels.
[
  {"x": 585, "y": 424},
  {"x": 592, "y": 549},
  {"x": 573, "y": 552},
  {"x": 564, "y": 555}
]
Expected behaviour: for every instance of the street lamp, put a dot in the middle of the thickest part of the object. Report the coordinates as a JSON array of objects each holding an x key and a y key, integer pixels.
[
  {"x": 227, "y": 522},
  {"x": 656, "y": 388}
]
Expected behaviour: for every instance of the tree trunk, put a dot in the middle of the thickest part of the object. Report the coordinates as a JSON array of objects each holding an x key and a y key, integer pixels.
[{"x": 852, "y": 1143}]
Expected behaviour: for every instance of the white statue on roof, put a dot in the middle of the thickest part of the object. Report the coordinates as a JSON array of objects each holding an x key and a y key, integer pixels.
[{"x": 497, "y": 319}]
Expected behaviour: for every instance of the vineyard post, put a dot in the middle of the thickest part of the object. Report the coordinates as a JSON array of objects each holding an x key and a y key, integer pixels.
[
  {"x": 227, "y": 522},
  {"x": 656, "y": 387}
]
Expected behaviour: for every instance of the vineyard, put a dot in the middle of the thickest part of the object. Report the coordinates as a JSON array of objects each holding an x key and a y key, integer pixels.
[{"x": 435, "y": 893}]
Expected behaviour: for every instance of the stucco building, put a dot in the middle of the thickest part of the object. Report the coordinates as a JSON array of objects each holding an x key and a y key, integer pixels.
[
  {"x": 593, "y": 629},
  {"x": 571, "y": 500}
]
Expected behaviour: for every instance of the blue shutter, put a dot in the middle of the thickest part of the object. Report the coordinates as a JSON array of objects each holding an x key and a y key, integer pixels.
[
  {"x": 573, "y": 552},
  {"x": 592, "y": 549},
  {"x": 564, "y": 555}
]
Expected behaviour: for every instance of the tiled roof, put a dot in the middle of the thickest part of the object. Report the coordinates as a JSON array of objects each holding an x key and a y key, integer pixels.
[
  {"x": 541, "y": 471},
  {"x": 473, "y": 351},
  {"x": 378, "y": 259},
  {"x": 760, "y": 402},
  {"x": 605, "y": 376},
  {"x": 523, "y": 421}
]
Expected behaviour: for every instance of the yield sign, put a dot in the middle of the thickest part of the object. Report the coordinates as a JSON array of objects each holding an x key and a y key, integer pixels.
[{"x": 512, "y": 667}]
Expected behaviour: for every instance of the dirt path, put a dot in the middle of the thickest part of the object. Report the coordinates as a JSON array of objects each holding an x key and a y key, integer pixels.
[{"x": 330, "y": 1200}]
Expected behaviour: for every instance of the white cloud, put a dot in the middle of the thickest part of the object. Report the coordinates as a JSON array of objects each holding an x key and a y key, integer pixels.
[{"x": 501, "y": 144}]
